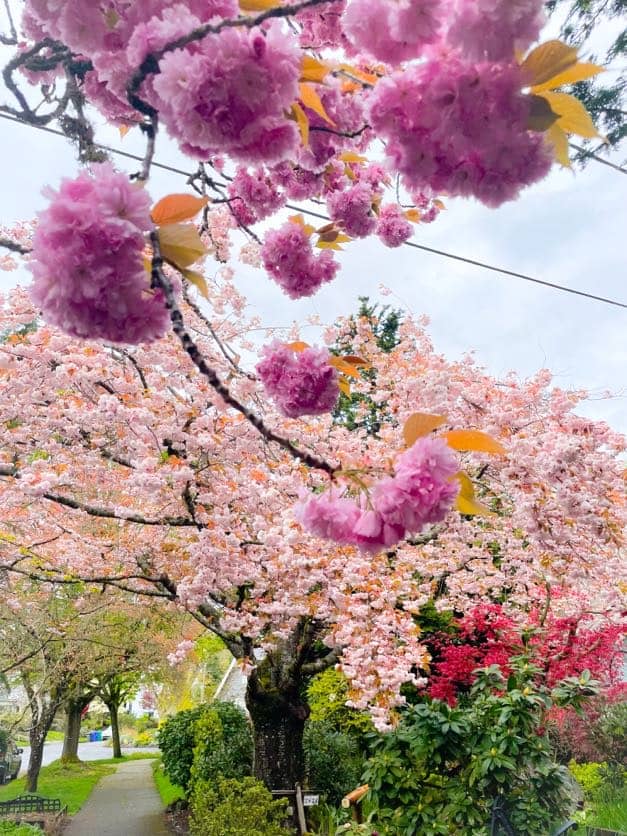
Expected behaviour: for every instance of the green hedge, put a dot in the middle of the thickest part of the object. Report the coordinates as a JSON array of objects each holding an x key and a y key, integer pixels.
[{"x": 237, "y": 807}]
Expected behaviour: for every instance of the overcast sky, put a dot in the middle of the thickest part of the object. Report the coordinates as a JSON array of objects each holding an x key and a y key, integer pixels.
[{"x": 570, "y": 229}]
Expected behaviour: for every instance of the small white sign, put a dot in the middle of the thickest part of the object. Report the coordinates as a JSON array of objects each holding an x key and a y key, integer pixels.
[{"x": 311, "y": 800}]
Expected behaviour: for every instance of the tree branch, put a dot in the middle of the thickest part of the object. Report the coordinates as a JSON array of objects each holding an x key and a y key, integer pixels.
[{"x": 160, "y": 281}]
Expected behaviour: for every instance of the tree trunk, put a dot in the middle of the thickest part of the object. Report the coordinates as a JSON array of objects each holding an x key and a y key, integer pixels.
[
  {"x": 37, "y": 737},
  {"x": 73, "y": 712},
  {"x": 115, "y": 729},
  {"x": 278, "y": 719}
]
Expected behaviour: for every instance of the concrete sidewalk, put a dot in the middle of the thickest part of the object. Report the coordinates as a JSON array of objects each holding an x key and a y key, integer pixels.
[{"x": 123, "y": 804}]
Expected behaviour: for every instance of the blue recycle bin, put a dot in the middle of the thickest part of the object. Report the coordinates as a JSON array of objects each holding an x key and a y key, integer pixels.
[{"x": 92, "y": 736}]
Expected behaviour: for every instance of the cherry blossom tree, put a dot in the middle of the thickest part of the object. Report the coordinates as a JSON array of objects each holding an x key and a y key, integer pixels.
[
  {"x": 144, "y": 451},
  {"x": 124, "y": 467}
]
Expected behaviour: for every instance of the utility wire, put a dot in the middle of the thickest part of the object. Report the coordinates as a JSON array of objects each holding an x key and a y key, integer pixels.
[{"x": 502, "y": 270}]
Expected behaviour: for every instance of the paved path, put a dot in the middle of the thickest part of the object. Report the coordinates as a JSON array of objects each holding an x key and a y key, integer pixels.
[{"x": 123, "y": 804}]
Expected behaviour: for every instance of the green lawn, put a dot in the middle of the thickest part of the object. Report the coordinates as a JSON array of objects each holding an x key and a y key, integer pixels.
[
  {"x": 168, "y": 791},
  {"x": 10, "y": 829},
  {"x": 72, "y": 783}
]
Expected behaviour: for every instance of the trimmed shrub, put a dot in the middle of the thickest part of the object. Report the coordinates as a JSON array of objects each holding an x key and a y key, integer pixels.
[
  {"x": 176, "y": 741},
  {"x": 237, "y": 808},
  {"x": 223, "y": 744},
  {"x": 333, "y": 760}
]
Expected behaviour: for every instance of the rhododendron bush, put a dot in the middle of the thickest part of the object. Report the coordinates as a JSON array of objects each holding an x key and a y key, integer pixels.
[{"x": 143, "y": 450}]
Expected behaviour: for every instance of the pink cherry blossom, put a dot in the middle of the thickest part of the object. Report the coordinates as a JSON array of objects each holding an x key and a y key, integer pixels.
[
  {"x": 461, "y": 128},
  {"x": 230, "y": 95},
  {"x": 87, "y": 260},
  {"x": 299, "y": 382},
  {"x": 393, "y": 228},
  {"x": 393, "y": 32},
  {"x": 353, "y": 210},
  {"x": 288, "y": 256}
]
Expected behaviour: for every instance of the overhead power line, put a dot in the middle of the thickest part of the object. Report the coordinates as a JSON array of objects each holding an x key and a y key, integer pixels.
[{"x": 432, "y": 250}]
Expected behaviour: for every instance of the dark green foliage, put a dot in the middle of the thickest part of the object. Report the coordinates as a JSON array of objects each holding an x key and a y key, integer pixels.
[
  {"x": 441, "y": 769},
  {"x": 383, "y": 323},
  {"x": 223, "y": 744},
  {"x": 176, "y": 739},
  {"x": 204, "y": 743},
  {"x": 333, "y": 760},
  {"x": 604, "y": 96},
  {"x": 236, "y": 808},
  {"x": 4, "y": 739}
]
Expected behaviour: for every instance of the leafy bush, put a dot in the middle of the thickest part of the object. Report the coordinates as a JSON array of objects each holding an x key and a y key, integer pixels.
[
  {"x": 597, "y": 734},
  {"x": 327, "y": 696},
  {"x": 457, "y": 760},
  {"x": 4, "y": 740},
  {"x": 223, "y": 744},
  {"x": 237, "y": 807},
  {"x": 333, "y": 760},
  {"x": 589, "y": 776},
  {"x": 145, "y": 738},
  {"x": 176, "y": 741}
]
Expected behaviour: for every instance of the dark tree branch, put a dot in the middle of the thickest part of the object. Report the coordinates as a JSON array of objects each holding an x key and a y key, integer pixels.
[{"x": 160, "y": 281}]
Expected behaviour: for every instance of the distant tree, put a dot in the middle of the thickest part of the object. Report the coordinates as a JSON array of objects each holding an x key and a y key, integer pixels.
[{"x": 605, "y": 96}]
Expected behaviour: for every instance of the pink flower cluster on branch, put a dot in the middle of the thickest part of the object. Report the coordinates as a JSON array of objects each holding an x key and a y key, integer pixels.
[
  {"x": 288, "y": 256},
  {"x": 87, "y": 260},
  {"x": 421, "y": 492},
  {"x": 461, "y": 128},
  {"x": 300, "y": 383}
]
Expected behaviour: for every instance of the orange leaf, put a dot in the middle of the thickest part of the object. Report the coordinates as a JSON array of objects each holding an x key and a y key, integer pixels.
[
  {"x": 354, "y": 360},
  {"x": 473, "y": 440},
  {"x": 366, "y": 78},
  {"x": 181, "y": 245},
  {"x": 352, "y": 157},
  {"x": 300, "y": 117},
  {"x": 466, "y": 502},
  {"x": 123, "y": 130},
  {"x": 297, "y": 346},
  {"x": 420, "y": 424},
  {"x": 298, "y": 219},
  {"x": 310, "y": 98},
  {"x": 344, "y": 386},
  {"x": 257, "y": 5},
  {"x": 344, "y": 367},
  {"x": 313, "y": 70},
  {"x": 413, "y": 215},
  {"x": 176, "y": 208},
  {"x": 547, "y": 61}
]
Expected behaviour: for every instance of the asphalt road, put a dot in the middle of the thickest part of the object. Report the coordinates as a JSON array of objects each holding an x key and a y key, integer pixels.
[{"x": 86, "y": 752}]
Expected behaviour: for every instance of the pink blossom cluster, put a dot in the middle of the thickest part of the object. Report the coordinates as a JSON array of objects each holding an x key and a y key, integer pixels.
[
  {"x": 321, "y": 27},
  {"x": 393, "y": 32},
  {"x": 393, "y": 228},
  {"x": 231, "y": 94},
  {"x": 493, "y": 29},
  {"x": 459, "y": 128},
  {"x": 253, "y": 196},
  {"x": 421, "y": 492},
  {"x": 325, "y": 139},
  {"x": 353, "y": 210},
  {"x": 299, "y": 382},
  {"x": 288, "y": 256},
  {"x": 87, "y": 260}
]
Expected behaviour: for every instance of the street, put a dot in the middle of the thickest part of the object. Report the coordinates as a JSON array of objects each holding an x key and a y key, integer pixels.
[{"x": 86, "y": 752}]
